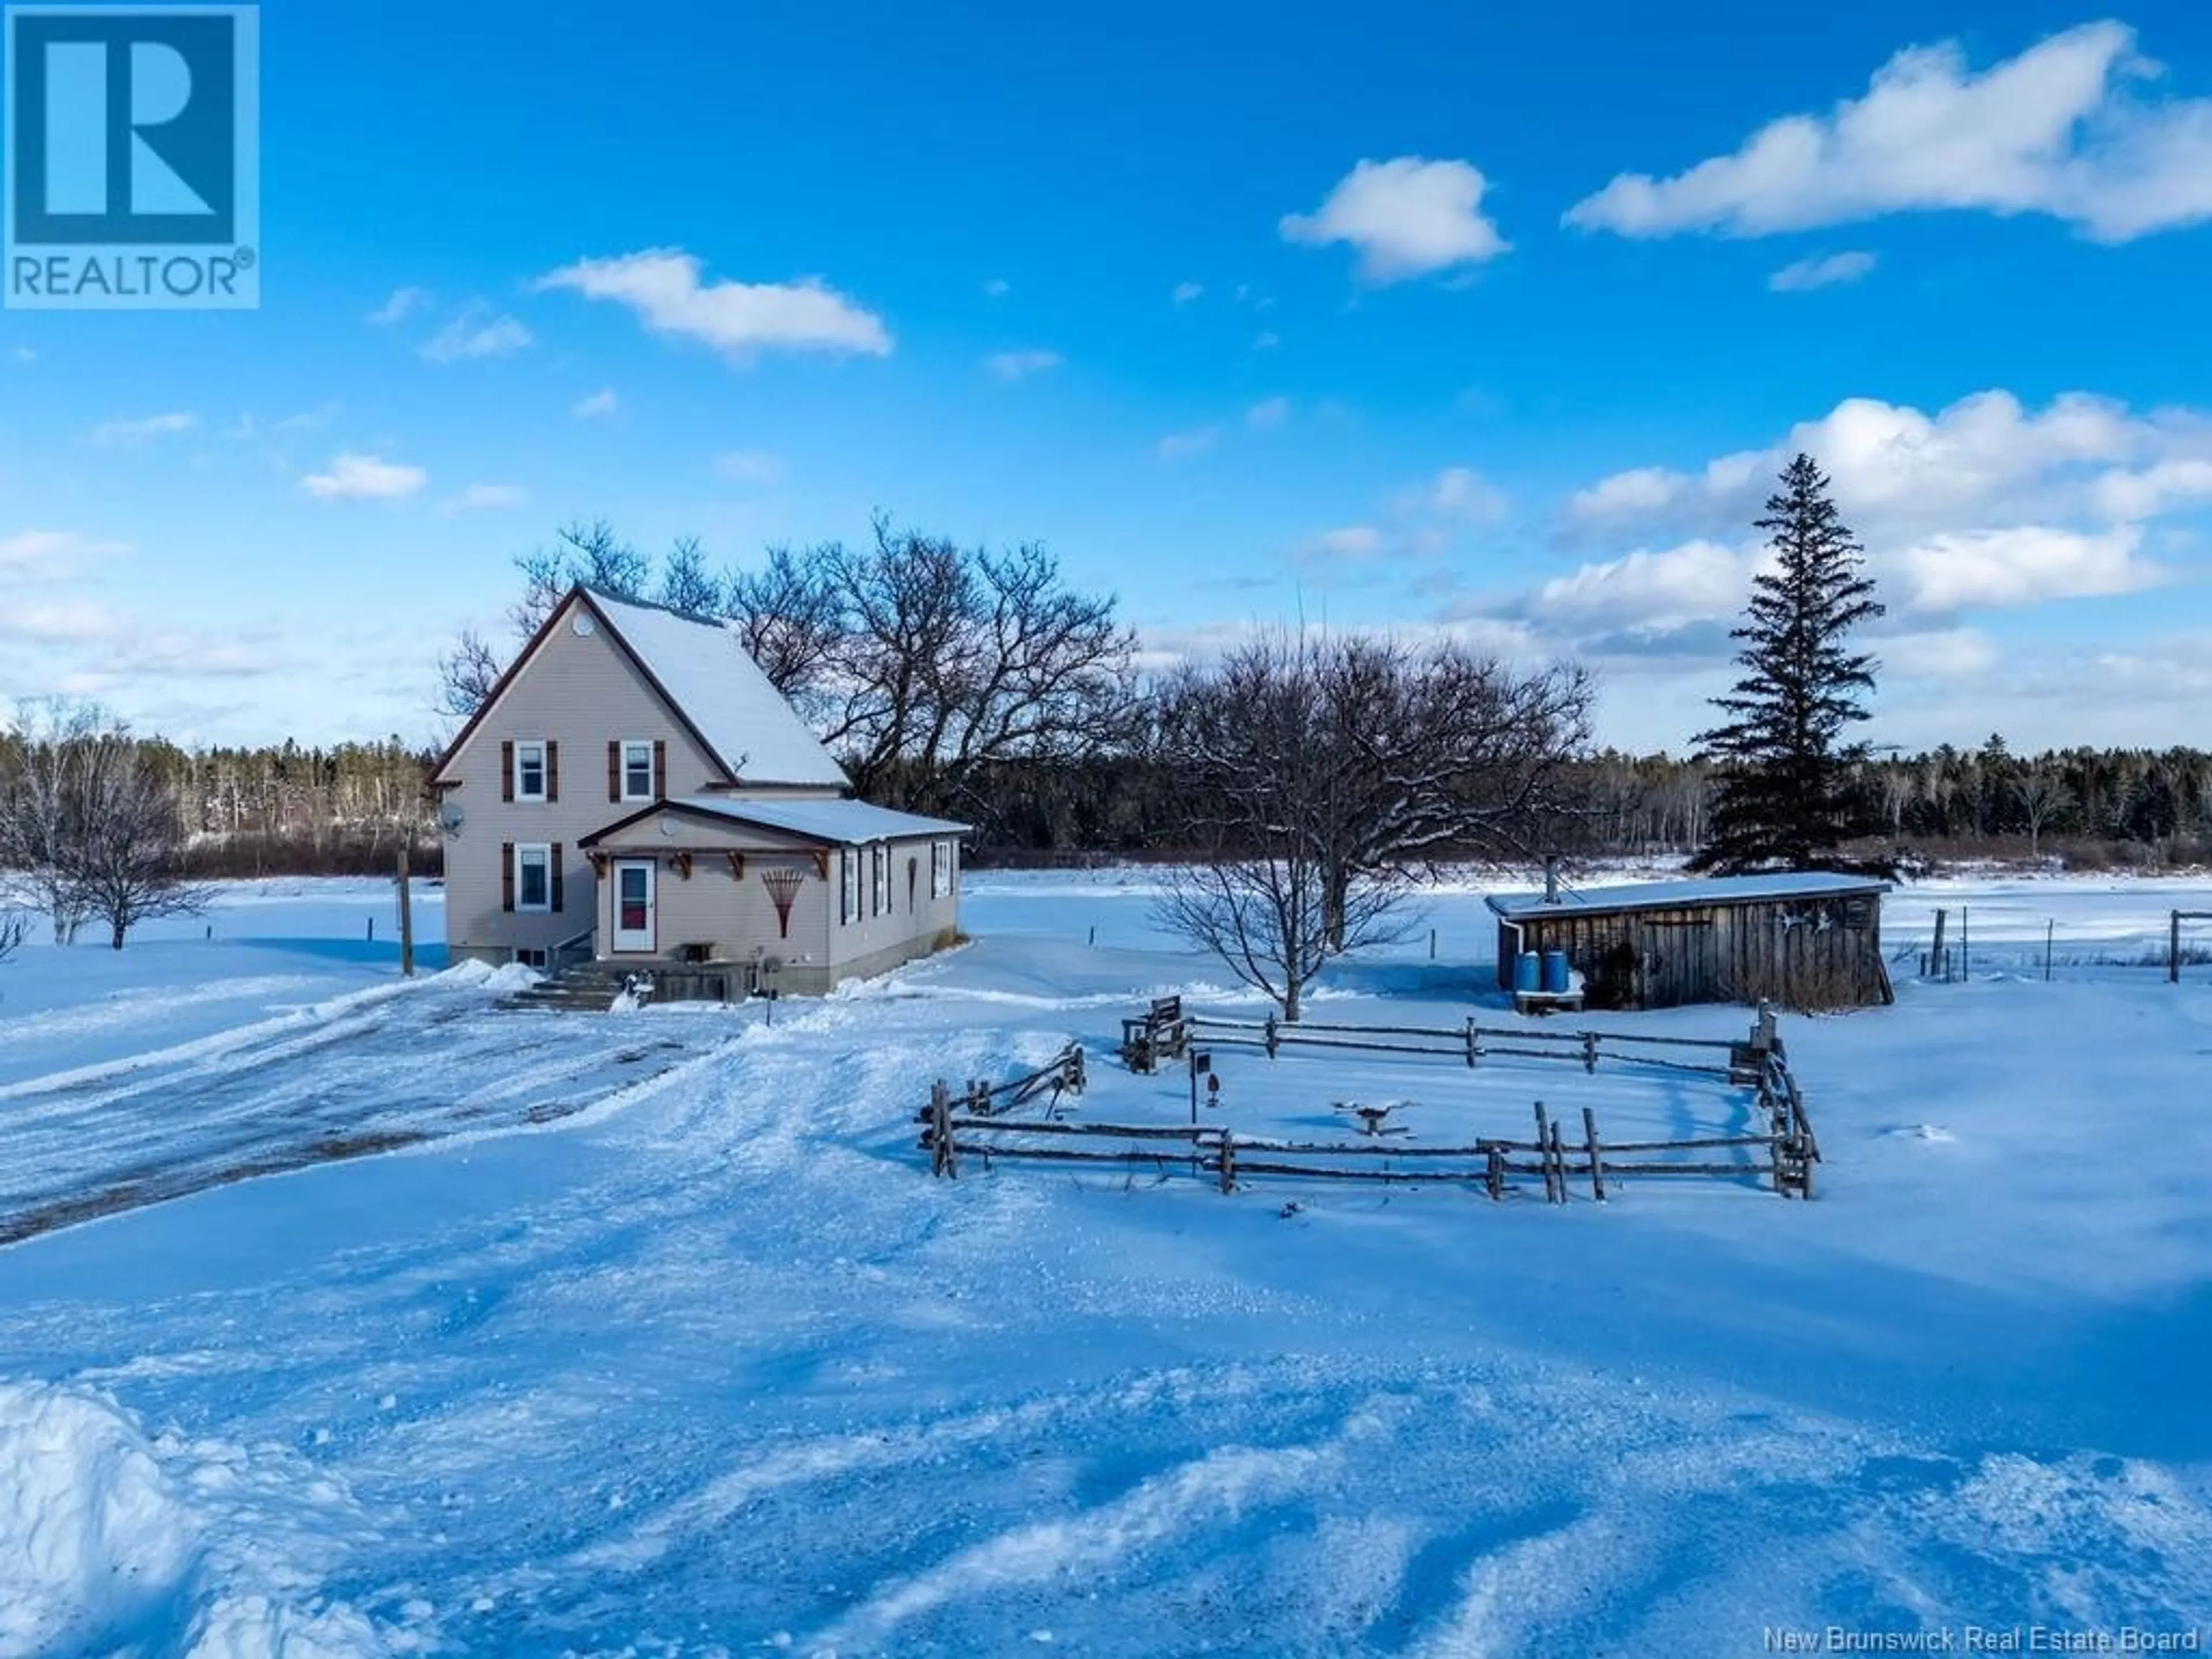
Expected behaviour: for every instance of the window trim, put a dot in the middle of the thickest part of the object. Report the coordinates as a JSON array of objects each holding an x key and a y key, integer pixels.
[
  {"x": 644, "y": 746},
  {"x": 848, "y": 887},
  {"x": 880, "y": 879},
  {"x": 940, "y": 870},
  {"x": 544, "y": 770},
  {"x": 523, "y": 849}
]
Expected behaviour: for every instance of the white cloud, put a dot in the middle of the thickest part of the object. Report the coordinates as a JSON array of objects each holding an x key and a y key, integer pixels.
[
  {"x": 600, "y": 403},
  {"x": 25, "y": 354},
  {"x": 1017, "y": 365},
  {"x": 998, "y": 287},
  {"x": 1178, "y": 445},
  {"x": 750, "y": 467},
  {"x": 1407, "y": 217},
  {"x": 53, "y": 555},
  {"x": 1184, "y": 292},
  {"x": 364, "y": 478},
  {"x": 472, "y": 336},
  {"x": 662, "y": 287},
  {"x": 1639, "y": 493},
  {"x": 2161, "y": 487},
  {"x": 1940, "y": 654},
  {"x": 1461, "y": 492},
  {"x": 403, "y": 303},
  {"x": 151, "y": 426},
  {"x": 1267, "y": 340},
  {"x": 1898, "y": 469},
  {"x": 2059, "y": 130},
  {"x": 58, "y": 622},
  {"x": 1696, "y": 582},
  {"x": 486, "y": 497},
  {"x": 1355, "y": 541},
  {"x": 1801, "y": 275},
  {"x": 1267, "y": 414},
  {"x": 2023, "y": 565}
]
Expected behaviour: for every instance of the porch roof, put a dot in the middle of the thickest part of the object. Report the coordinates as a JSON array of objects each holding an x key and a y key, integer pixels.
[{"x": 832, "y": 822}]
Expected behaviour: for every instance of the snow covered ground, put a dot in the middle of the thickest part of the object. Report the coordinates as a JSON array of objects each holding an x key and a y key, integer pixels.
[{"x": 686, "y": 1354}]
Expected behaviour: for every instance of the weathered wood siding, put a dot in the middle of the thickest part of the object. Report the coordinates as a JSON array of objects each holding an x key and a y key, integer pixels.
[{"x": 1817, "y": 952}]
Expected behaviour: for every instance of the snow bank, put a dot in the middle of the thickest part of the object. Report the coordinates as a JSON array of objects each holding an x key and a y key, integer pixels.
[
  {"x": 92, "y": 1534},
  {"x": 114, "y": 1541}
]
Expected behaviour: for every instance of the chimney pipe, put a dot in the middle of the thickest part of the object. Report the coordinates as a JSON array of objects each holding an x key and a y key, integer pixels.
[{"x": 1551, "y": 881}]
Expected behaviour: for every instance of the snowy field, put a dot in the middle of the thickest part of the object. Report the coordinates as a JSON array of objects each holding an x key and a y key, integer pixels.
[{"x": 651, "y": 1334}]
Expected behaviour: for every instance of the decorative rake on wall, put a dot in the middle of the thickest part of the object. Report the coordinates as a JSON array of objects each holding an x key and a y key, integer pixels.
[{"x": 783, "y": 882}]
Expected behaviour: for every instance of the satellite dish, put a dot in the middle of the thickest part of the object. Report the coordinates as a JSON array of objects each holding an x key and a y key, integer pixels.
[{"x": 450, "y": 817}]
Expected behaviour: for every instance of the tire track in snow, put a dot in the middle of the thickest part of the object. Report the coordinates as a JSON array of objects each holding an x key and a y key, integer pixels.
[
  {"x": 1222, "y": 1485},
  {"x": 359, "y": 1074}
]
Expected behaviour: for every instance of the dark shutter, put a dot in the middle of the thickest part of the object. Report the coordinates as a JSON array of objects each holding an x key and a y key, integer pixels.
[
  {"x": 507, "y": 875},
  {"x": 555, "y": 866},
  {"x": 614, "y": 770},
  {"x": 660, "y": 768},
  {"x": 506, "y": 771},
  {"x": 552, "y": 772}
]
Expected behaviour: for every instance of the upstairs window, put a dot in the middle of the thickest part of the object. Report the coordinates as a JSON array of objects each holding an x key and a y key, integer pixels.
[
  {"x": 850, "y": 883},
  {"x": 637, "y": 771},
  {"x": 530, "y": 771}
]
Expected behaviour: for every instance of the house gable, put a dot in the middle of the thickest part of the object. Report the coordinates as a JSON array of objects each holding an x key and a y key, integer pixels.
[{"x": 599, "y": 686}]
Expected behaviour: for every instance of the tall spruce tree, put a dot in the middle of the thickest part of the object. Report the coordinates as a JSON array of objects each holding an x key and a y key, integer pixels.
[{"x": 1788, "y": 797}]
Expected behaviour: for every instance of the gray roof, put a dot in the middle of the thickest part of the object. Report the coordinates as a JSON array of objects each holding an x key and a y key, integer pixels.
[
  {"x": 847, "y": 822},
  {"x": 705, "y": 671},
  {"x": 1705, "y": 890}
]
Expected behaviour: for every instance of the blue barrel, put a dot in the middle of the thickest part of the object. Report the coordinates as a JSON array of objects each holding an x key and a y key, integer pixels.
[
  {"x": 1526, "y": 972},
  {"x": 1555, "y": 971}
]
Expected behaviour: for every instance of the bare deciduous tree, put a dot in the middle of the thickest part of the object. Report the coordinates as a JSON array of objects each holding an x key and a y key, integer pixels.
[
  {"x": 124, "y": 857},
  {"x": 466, "y": 675},
  {"x": 1270, "y": 921},
  {"x": 1255, "y": 734},
  {"x": 789, "y": 615},
  {"x": 51, "y": 741},
  {"x": 685, "y": 585},
  {"x": 2043, "y": 799},
  {"x": 920, "y": 661},
  {"x": 15, "y": 929},
  {"x": 1403, "y": 756}
]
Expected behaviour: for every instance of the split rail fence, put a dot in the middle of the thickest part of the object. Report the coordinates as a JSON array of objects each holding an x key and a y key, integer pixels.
[{"x": 984, "y": 1123}]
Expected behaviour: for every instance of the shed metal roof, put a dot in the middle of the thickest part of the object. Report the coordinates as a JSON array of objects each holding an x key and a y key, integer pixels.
[{"x": 1665, "y": 895}]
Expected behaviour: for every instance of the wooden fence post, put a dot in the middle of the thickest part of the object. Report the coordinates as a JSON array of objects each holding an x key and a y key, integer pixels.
[
  {"x": 1559, "y": 1160},
  {"x": 1273, "y": 1036},
  {"x": 1597, "y": 1168},
  {"x": 1228, "y": 1162},
  {"x": 2173, "y": 949},
  {"x": 941, "y": 1131},
  {"x": 1473, "y": 1044},
  {"x": 1543, "y": 1153},
  {"x": 1493, "y": 1175},
  {"x": 406, "y": 916},
  {"x": 1590, "y": 1052}
]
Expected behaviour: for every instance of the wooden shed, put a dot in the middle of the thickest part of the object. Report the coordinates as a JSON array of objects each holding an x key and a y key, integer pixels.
[{"x": 1804, "y": 940}]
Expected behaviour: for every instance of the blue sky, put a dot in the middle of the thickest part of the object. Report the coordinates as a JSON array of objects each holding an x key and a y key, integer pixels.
[{"x": 1491, "y": 320}]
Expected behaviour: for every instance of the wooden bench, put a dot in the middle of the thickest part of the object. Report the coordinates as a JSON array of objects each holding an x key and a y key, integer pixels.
[
  {"x": 1551, "y": 1002},
  {"x": 1157, "y": 1034}
]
